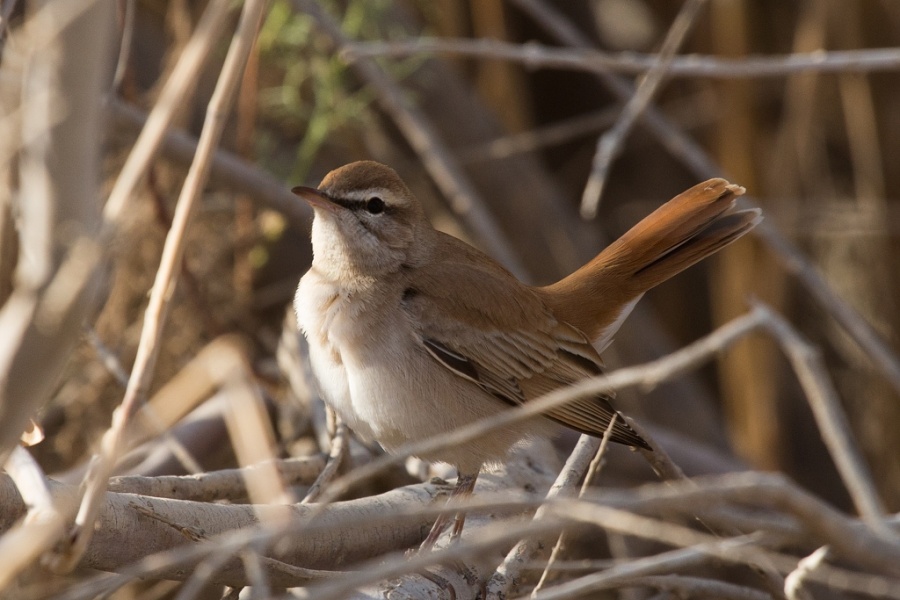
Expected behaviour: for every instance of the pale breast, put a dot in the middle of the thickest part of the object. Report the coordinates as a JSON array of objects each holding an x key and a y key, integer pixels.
[{"x": 320, "y": 308}]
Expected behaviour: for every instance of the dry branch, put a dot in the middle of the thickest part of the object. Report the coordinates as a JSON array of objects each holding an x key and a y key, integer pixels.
[{"x": 537, "y": 56}]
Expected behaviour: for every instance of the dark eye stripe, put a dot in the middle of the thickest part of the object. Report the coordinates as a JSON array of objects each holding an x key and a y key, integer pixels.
[{"x": 351, "y": 204}]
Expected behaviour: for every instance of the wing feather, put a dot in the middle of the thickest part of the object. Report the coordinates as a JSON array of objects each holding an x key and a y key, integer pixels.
[{"x": 496, "y": 332}]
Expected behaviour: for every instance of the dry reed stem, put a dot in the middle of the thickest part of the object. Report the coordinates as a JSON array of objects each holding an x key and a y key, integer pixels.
[
  {"x": 171, "y": 101},
  {"x": 173, "y": 251},
  {"x": 50, "y": 155},
  {"x": 695, "y": 587}
]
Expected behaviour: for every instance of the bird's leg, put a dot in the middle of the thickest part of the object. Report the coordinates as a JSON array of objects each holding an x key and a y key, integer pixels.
[{"x": 464, "y": 486}]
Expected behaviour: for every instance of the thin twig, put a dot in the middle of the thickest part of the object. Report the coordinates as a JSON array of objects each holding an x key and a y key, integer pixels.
[
  {"x": 506, "y": 576},
  {"x": 796, "y": 578},
  {"x": 869, "y": 341},
  {"x": 114, "y": 366},
  {"x": 691, "y": 112},
  {"x": 538, "y": 56},
  {"x": 836, "y": 432},
  {"x": 823, "y": 522},
  {"x": 654, "y": 529},
  {"x": 666, "y": 562},
  {"x": 697, "y": 587},
  {"x": 610, "y": 144},
  {"x": 128, "y": 20},
  {"x": 680, "y": 145}
]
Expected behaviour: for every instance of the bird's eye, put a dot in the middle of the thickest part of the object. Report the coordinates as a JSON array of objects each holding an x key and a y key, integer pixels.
[{"x": 375, "y": 205}]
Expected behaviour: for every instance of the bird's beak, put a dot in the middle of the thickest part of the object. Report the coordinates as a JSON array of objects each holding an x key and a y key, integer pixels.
[{"x": 315, "y": 198}]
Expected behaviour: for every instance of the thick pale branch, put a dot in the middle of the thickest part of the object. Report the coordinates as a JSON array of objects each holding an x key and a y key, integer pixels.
[{"x": 162, "y": 524}]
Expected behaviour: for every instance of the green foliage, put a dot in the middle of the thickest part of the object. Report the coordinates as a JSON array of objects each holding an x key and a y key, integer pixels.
[{"x": 316, "y": 96}]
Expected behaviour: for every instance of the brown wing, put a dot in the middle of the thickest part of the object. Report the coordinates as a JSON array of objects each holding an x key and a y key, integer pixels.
[{"x": 496, "y": 332}]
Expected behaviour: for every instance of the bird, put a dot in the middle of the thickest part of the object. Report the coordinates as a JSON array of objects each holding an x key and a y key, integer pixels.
[{"x": 413, "y": 332}]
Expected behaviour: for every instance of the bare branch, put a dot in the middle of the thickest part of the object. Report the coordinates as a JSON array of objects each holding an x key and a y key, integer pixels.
[
  {"x": 696, "y": 496},
  {"x": 537, "y": 56},
  {"x": 507, "y": 575},
  {"x": 833, "y": 425}
]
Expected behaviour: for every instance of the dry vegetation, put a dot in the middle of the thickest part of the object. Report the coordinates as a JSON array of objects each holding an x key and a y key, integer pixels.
[{"x": 149, "y": 249}]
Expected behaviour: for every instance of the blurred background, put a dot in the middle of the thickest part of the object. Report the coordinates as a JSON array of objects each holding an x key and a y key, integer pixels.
[{"x": 816, "y": 150}]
